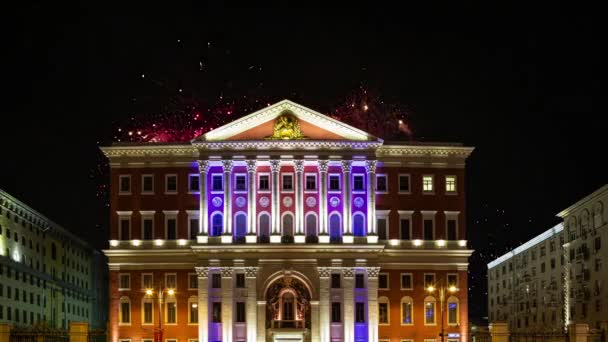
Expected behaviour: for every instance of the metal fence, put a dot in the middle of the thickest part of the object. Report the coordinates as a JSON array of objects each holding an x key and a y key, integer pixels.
[
  {"x": 481, "y": 336},
  {"x": 538, "y": 337},
  {"x": 39, "y": 336},
  {"x": 97, "y": 336}
]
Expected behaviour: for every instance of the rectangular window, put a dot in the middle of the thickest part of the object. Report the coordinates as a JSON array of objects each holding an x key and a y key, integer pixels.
[
  {"x": 358, "y": 183},
  {"x": 450, "y": 184},
  {"x": 192, "y": 281},
  {"x": 597, "y": 243},
  {"x": 429, "y": 280},
  {"x": 381, "y": 225},
  {"x": 381, "y": 184},
  {"x": 360, "y": 312},
  {"x": 193, "y": 313},
  {"x": 452, "y": 229},
  {"x": 240, "y": 280},
  {"x": 383, "y": 281},
  {"x": 240, "y": 312},
  {"x": 359, "y": 281},
  {"x": 171, "y": 280},
  {"x": 383, "y": 313},
  {"x": 147, "y": 281},
  {"x": 427, "y": 184},
  {"x": 193, "y": 228},
  {"x": 264, "y": 182},
  {"x": 125, "y": 312},
  {"x": 404, "y": 228},
  {"x": 171, "y": 313},
  {"x": 125, "y": 229},
  {"x": 147, "y": 184},
  {"x": 335, "y": 281},
  {"x": 216, "y": 312},
  {"x": 148, "y": 313},
  {"x": 336, "y": 312},
  {"x": 124, "y": 282},
  {"x": 217, "y": 183},
  {"x": 311, "y": 182},
  {"x": 125, "y": 184},
  {"x": 240, "y": 183},
  {"x": 334, "y": 182},
  {"x": 453, "y": 280},
  {"x": 406, "y": 281},
  {"x": 542, "y": 267},
  {"x": 428, "y": 230},
  {"x": 287, "y": 182},
  {"x": 171, "y": 229},
  {"x": 171, "y": 184},
  {"x": 193, "y": 183},
  {"x": 404, "y": 184},
  {"x": 148, "y": 228},
  {"x": 216, "y": 281}
]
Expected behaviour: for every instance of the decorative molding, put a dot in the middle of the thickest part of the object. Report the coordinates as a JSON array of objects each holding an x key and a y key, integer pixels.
[
  {"x": 251, "y": 272},
  {"x": 242, "y": 145},
  {"x": 432, "y": 150},
  {"x": 202, "y": 272},
  {"x": 251, "y": 165},
  {"x": 227, "y": 272},
  {"x": 264, "y": 202},
  {"x": 124, "y": 213},
  {"x": 370, "y": 166},
  {"x": 298, "y": 165},
  {"x": 287, "y": 201},
  {"x": 372, "y": 272},
  {"x": 348, "y": 272},
  {"x": 358, "y": 202},
  {"x": 347, "y": 165},
  {"x": 227, "y": 165},
  {"x": 203, "y": 166},
  {"x": 311, "y": 201},
  {"x": 240, "y": 201},
  {"x": 275, "y": 165},
  {"x": 323, "y": 165},
  {"x": 217, "y": 202},
  {"x": 324, "y": 272},
  {"x": 149, "y": 150}
]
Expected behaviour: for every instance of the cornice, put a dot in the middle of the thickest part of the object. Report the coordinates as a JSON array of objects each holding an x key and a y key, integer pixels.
[
  {"x": 423, "y": 150},
  {"x": 141, "y": 150},
  {"x": 287, "y": 145}
]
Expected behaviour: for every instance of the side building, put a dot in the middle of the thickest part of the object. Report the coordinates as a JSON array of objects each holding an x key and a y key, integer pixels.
[
  {"x": 557, "y": 277},
  {"x": 48, "y": 276}
]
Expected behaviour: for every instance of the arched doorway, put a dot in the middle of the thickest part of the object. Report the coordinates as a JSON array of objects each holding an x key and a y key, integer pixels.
[{"x": 288, "y": 304}]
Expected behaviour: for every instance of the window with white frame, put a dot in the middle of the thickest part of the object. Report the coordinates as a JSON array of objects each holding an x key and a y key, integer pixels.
[
  {"x": 428, "y": 227},
  {"x": 147, "y": 184},
  {"x": 194, "y": 183},
  {"x": 358, "y": 183},
  {"x": 404, "y": 183},
  {"x": 452, "y": 279},
  {"x": 125, "y": 228},
  {"x": 406, "y": 281},
  {"x": 450, "y": 184},
  {"x": 287, "y": 181},
  {"x": 240, "y": 312},
  {"x": 429, "y": 310},
  {"x": 171, "y": 227},
  {"x": 240, "y": 183},
  {"x": 124, "y": 282},
  {"x": 429, "y": 280},
  {"x": 383, "y": 311},
  {"x": 171, "y": 311},
  {"x": 451, "y": 226},
  {"x": 193, "y": 310},
  {"x": 405, "y": 224},
  {"x": 427, "y": 184},
  {"x": 170, "y": 184},
  {"x": 407, "y": 311},
  {"x": 311, "y": 182},
  {"x": 382, "y": 225},
  {"x": 147, "y": 227},
  {"x": 124, "y": 184},
  {"x": 125, "y": 311},
  {"x": 193, "y": 229},
  {"x": 192, "y": 281},
  {"x": 147, "y": 281},
  {"x": 217, "y": 182},
  {"x": 334, "y": 182},
  {"x": 147, "y": 311},
  {"x": 171, "y": 280},
  {"x": 381, "y": 184},
  {"x": 383, "y": 281},
  {"x": 263, "y": 182},
  {"x": 452, "y": 311}
]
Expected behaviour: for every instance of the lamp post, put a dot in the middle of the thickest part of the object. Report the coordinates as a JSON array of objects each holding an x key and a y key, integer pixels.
[
  {"x": 160, "y": 296},
  {"x": 442, "y": 289}
]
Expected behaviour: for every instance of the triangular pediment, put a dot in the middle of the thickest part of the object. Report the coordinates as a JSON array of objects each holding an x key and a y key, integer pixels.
[{"x": 309, "y": 125}]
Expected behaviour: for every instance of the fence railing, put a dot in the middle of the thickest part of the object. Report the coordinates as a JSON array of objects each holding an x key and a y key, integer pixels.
[{"x": 538, "y": 337}]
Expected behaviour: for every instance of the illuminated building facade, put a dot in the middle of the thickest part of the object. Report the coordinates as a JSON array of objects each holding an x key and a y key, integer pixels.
[
  {"x": 48, "y": 276},
  {"x": 287, "y": 225}
]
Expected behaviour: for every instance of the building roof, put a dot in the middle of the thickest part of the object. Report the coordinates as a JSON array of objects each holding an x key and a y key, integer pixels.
[{"x": 597, "y": 193}]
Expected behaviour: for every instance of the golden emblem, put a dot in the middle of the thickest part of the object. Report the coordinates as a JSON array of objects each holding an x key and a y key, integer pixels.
[{"x": 286, "y": 127}]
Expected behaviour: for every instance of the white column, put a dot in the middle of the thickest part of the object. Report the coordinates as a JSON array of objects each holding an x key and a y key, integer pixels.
[
  {"x": 227, "y": 290},
  {"x": 314, "y": 317},
  {"x": 372, "y": 302},
  {"x": 227, "y": 164},
  {"x": 323, "y": 165},
  {"x": 349, "y": 304},
  {"x": 275, "y": 167},
  {"x": 203, "y": 303},
  {"x": 372, "y": 233},
  {"x": 203, "y": 218},
  {"x": 347, "y": 230},
  {"x": 324, "y": 299},
  {"x": 251, "y": 274},
  {"x": 299, "y": 192},
  {"x": 252, "y": 229},
  {"x": 261, "y": 321}
]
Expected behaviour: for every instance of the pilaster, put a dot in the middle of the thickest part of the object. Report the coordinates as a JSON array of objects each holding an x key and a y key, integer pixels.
[
  {"x": 227, "y": 306},
  {"x": 227, "y": 165},
  {"x": 348, "y": 275},
  {"x": 203, "y": 303},
  {"x": 203, "y": 218},
  {"x": 251, "y": 202},
  {"x": 252, "y": 310}
]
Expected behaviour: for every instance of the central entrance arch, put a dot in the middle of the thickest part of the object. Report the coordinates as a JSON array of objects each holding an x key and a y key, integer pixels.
[{"x": 288, "y": 311}]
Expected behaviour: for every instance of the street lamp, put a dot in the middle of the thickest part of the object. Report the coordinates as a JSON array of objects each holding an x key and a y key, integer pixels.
[
  {"x": 161, "y": 294},
  {"x": 442, "y": 289}
]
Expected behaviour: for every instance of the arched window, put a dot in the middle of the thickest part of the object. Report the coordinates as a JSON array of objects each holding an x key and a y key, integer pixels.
[
  {"x": 287, "y": 224},
  {"x": 453, "y": 311},
  {"x": 193, "y": 310},
  {"x": 240, "y": 225},
  {"x": 124, "y": 315},
  {"x": 335, "y": 227},
  {"x": 598, "y": 212},
  {"x": 429, "y": 310},
  {"x": 217, "y": 224},
  {"x": 264, "y": 226},
  {"x": 384, "y": 316},
  {"x": 407, "y": 311},
  {"x": 311, "y": 224},
  {"x": 359, "y": 224}
]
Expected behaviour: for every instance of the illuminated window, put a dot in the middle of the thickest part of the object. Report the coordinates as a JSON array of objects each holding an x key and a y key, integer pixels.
[
  {"x": 170, "y": 184},
  {"x": 147, "y": 184},
  {"x": 240, "y": 183},
  {"x": 193, "y": 183},
  {"x": 427, "y": 184},
  {"x": 217, "y": 224},
  {"x": 407, "y": 312},
  {"x": 193, "y": 310},
  {"x": 381, "y": 184},
  {"x": 452, "y": 311},
  {"x": 125, "y": 184},
  {"x": 125, "y": 311},
  {"x": 429, "y": 311},
  {"x": 359, "y": 225},
  {"x": 404, "y": 184},
  {"x": 171, "y": 313},
  {"x": 450, "y": 184},
  {"x": 148, "y": 317},
  {"x": 383, "y": 310}
]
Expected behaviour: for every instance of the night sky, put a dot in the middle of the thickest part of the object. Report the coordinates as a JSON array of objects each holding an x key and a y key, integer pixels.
[{"x": 521, "y": 84}]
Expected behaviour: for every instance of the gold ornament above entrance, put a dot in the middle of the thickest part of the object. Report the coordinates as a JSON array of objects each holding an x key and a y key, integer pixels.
[{"x": 286, "y": 127}]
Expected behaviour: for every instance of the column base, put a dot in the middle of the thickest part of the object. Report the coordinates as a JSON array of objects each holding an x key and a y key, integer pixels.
[
  {"x": 251, "y": 238},
  {"x": 226, "y": 238},
  {"x": 373, "y": 239},
  {"x": 348, "y": 239},
  {"x": 323, "y": 238},
  {"x": 300, "y": 238},
  {"x": 275, "y": 238}
]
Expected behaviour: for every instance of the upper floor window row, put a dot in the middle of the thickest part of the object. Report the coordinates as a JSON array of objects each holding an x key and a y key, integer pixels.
[{"x": 404, "y": 184}]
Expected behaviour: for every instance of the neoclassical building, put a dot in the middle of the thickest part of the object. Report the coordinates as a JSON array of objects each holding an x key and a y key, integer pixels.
[{"x": 287, "y": 225}]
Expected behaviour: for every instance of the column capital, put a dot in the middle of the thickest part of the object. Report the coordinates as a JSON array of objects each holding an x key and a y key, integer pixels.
[
  {"x": 372, "y": 272},
  {"x": 202, "y": 272},
  {"x": 228, "y": 165},
  {"x": 227, "y": 272},
  {"x": 251, "y": 165},
  {"x": 370, "y": 166},
  {"x": 323, "y": 165},
  {"x": 275, "y": 165},
  {"x": 348, "y": 272},
  {"x": 324, "y": 272},
  {"x": 298, "y": 165},
  {"x": 203, "y": 165},
  {"x": 251, "y": 272},
  {"x": 347, "y": 165}
]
